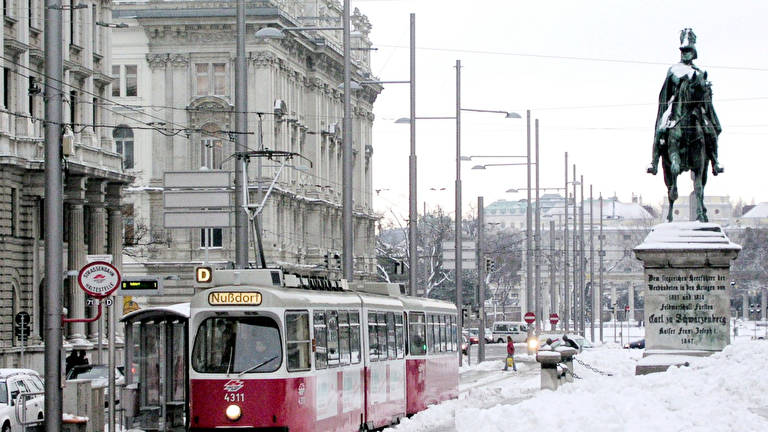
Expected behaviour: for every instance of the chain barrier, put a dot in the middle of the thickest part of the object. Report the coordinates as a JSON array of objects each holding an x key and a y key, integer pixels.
[
  {"x": 593, "y": 369},
  {"x": 567, "y": 371}
]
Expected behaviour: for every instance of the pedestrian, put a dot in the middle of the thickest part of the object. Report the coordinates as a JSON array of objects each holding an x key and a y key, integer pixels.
[{"x": 510, "y": 355}]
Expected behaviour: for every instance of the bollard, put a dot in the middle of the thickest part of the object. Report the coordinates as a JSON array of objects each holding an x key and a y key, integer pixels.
[
  {"x": 567, "y": 353},
  {"x": 549, "y": 374}
]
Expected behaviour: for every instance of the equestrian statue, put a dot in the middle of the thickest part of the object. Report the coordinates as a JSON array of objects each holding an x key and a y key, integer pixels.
[{"x": 687, "y": 127}]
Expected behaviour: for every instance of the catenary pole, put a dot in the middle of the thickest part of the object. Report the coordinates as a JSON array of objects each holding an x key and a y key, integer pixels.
[
  {"x": 575, "y": 292},
  {"x": 566, "y": 289},
  {"x": 457, "y": 227},
  {"x": 53, "y": 216},
  {"x": 481, "y": 278},
  {"x": 529, "y": 303},
  {"x": 241, "y": 143},
  {"x": 413, "y": 214},
  {"x": 346, "y": 132},
  {"x": 592, "y": 290},
  {"x": 601, "y": 253},
  {"x": 582, "y": 303},
  {"x": 552, "y": 260},
  {"x": 538, "y": 296}
]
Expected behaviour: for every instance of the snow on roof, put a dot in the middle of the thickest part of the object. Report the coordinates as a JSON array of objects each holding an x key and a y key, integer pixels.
[
  {"x": 758, "y": 211},
  {"x": 612, "y": 209},
  {"x": 688, "y": 235}
]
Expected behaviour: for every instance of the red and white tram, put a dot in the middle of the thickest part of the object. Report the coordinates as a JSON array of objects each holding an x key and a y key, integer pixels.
[{"x": 273, "y": 351}]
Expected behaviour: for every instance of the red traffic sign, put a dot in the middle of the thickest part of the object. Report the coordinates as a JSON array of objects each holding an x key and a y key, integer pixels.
[
  {"x": 553, "y": 318},
  {"x": 530, "y": 317},
  {"x": 99, "y": 279},
  {"x": 626, "y": 308}
]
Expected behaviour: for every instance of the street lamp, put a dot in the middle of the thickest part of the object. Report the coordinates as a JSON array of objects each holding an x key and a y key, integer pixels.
[
  {"x": 484, "y": 166},
  {"x": 469, "y": 158}
]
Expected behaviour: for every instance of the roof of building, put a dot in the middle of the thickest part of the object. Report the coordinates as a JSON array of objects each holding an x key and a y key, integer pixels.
[
  {"x": 758, "y": 211},
  {"x": 612, "y": 209}
]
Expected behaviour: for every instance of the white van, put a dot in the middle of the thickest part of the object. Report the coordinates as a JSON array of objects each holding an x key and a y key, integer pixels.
[
  {"x": 12, "y": 383},
  {"x": 502, "y": 329}
]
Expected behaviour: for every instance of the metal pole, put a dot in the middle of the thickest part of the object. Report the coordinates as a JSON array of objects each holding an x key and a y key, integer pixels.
[
  {"x": 457, "y": 227},
  {"x": 413, "y": 214},
  {"x": 53, "y": 216},
  {"x": 574, "y": 293},
  {"x": 601, "y": 253},
  {"x": 566, "y": 291},
  {"x": 241, "y": 143},
  {"x": 552, "y": 258},
  {"x": 582, "y": 303},
  {"x": 257, "y": 219},
  {"x": 481, "y": 278},
  {"x": 346, "y": 133},
  {"x": 538, "y": 296},
  {"x": 529, "y": 303},
  {"x": 592, "y": 270}
]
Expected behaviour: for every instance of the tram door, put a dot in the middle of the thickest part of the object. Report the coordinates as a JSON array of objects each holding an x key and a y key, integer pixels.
[{"x": 156, "y": 373}]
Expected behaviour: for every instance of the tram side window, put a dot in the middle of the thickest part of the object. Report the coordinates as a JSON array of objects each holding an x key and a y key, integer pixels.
[
  {"x": 373, "y": 339},
  {"x": 399, "y": 335},
  {"x": 449, "y": 329},
  {"x": 354, "y": 337},
  {"x": 381, "y": 322},
  {"x": 321, "y": 346},
  {"x": 416, "y": 333},
  {"x": 297, "y": 341},
  {"x": 443, "y": 341},
  {"x": 430, "y": 335},
  {"x": 344, "y": 338},
  {"x": 333, "y": 337},
  {"x": 391, "y": 339},
  {"x": 455, "y": 334}
]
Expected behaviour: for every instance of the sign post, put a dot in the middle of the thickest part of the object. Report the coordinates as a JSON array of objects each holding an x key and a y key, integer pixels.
[{"x": 553, "y": 319}]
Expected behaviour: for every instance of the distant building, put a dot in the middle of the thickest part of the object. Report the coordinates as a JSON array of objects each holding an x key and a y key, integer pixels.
[
  {"x": 719, "y": 209},
  {"x": 755, "y": 217}
]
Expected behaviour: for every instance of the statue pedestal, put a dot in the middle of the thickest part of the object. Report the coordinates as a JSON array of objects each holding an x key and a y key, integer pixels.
[{"x": 687, "y": 290}]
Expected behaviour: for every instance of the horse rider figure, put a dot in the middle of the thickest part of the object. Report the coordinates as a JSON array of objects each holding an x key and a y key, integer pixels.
[{"x": 694, "y": 120}]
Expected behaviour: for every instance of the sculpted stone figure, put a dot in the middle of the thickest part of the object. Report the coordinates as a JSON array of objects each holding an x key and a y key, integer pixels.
[{"x": 687, "y": 127}]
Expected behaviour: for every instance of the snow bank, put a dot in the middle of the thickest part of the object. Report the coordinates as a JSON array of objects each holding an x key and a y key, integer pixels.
[{"x": 718, "y": 393}]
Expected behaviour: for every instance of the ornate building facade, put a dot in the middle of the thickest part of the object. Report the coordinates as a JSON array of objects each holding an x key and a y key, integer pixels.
[
  {"x": 93, "y": 173},
  {"x": 175, "y": 63}
]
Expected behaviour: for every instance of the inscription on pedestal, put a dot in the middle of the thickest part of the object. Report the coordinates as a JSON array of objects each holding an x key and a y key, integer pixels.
[{"x": 687, "y": 308}]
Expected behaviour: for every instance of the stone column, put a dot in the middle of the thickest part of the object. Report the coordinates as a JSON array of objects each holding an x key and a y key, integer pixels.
[
  {"x": 75, "y": 197},
  {"x": 96, "y": 238}
]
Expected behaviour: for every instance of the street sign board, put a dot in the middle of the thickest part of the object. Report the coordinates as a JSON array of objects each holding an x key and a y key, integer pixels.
[
  {"x": 94, "y": 258},
  {"x": 465, "y": 245},
  {"x": 197, "y": 179},
  {"x": 196, "y": 198},
  {"x": 99, "y": 279},
  {"x": 466, "y": 255},
  {"x": 465, "y": 264},
  {"x": 554, "y": 319},
  {"x": 529, "y": 317},
  {"x": 198, "y": 219}
]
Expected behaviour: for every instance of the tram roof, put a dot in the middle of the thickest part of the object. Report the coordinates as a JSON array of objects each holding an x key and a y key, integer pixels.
[{"x": 179, "y": 310}]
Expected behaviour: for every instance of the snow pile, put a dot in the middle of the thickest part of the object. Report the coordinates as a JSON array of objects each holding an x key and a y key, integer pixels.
[{"x": 723, "y": 392}]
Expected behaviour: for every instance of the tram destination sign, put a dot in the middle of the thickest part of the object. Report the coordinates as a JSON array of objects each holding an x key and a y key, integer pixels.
[{"x": 227, "y": 298}]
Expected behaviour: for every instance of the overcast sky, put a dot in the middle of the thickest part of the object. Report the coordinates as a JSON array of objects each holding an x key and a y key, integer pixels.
[{"x": 590, "y": 71}]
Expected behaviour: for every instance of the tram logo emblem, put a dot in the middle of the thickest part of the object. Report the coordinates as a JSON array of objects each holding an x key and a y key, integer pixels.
[
  {"x": 232, "y": 386},
  {"x": 302, "y": 389}
]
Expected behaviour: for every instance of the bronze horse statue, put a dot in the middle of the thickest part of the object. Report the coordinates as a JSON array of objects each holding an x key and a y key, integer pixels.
[{"x": 687, "y": 128}]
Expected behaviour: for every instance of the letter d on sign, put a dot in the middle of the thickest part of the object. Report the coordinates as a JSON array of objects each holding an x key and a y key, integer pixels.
[{"x": 203, "y": 274}]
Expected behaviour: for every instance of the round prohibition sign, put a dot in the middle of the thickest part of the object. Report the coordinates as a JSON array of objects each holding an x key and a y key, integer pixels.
[{"x": 99, "y": 279}]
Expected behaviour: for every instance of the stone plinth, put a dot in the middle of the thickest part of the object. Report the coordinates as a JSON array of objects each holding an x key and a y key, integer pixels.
[{"x": 687, "y": 286}]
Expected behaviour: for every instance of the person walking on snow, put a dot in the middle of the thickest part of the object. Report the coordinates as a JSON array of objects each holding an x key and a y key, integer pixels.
[{"x": 510, "y": 355}]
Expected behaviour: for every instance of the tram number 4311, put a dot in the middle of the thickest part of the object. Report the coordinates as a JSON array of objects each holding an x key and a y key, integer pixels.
[{"x": 234, "y": 397}]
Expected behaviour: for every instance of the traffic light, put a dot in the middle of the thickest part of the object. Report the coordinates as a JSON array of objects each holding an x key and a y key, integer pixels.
[
  {"x": 490, "y": 265},
  {"x": 399, "y": 267},
  {"x": 326, "y": 263},
  {"x": 337, "y": 260}
]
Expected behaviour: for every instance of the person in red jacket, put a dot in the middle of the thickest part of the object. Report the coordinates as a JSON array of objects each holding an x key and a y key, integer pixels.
[{"x": 510, "y": 355}]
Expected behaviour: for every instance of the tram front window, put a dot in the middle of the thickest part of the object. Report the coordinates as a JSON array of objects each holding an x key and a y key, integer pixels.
[{"x": 237, "y": 345}]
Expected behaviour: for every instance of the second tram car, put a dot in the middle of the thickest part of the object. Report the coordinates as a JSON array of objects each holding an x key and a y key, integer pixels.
[{"x": 269, "y": 352}]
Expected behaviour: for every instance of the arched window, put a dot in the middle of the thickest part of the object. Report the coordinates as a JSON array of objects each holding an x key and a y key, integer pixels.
[
  {"x": 123, "y": 136},
  {"x": 210, "y": 147}
]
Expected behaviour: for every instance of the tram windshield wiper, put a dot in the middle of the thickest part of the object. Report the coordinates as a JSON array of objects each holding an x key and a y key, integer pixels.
[{"x": 253, "y": 368}]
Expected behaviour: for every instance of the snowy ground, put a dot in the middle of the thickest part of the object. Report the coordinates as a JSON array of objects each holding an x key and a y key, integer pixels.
[{"x": 727, "y": 391}]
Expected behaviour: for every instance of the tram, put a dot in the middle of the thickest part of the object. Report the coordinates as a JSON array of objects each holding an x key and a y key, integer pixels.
[{"x": 280, "y": 352}]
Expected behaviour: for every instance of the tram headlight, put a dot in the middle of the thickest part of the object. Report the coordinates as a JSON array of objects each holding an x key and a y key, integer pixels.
[{"x": 234, "y": 412}]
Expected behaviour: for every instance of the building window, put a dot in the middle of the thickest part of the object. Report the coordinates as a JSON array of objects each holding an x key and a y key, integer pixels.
[
  {"x": 125, "y": 80},
  {"x": 123, "y": 137},
  {"x": 14, "y": 211},
  {"x": 210, "y": 147},
  {"x": 214, "y": 237},
  {"x": 129, "y": 225},
  {"x": 210, "y": 79},
  {"x": 73, "y": 108},
  {"x": 6, "y": 88}
]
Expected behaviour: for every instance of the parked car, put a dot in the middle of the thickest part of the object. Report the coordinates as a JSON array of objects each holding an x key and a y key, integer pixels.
[
  {"x": 474, "y": 337},
  {"x": 13, "y": 382},
  {"x": 464, "y": 344},
  {"x": 502, "y": 329},
  {"x": 98, "y": 374},
  {"x": 638, "y": 344}
]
